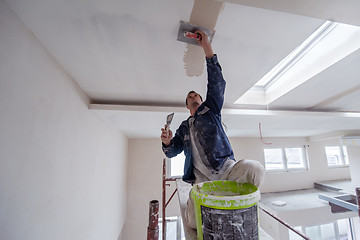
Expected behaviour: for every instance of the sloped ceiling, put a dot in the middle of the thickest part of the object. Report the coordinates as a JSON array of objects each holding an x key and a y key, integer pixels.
[{"x": 125, "y": 56}]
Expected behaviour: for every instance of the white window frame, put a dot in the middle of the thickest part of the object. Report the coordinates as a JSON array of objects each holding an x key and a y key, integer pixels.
[
  {"x": 285, "y": 161},
  {"x": 342, "y": 157}
]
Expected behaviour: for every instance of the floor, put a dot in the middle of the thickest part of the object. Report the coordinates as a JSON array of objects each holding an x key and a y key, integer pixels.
[{"x": 307, "y": 198}]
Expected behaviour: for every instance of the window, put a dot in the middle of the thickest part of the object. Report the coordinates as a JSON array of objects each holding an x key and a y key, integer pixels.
[
  {"x": 174, "y": 228},
  {"x": 336, "y": 156},
  {"x": 274, "y": 159},
  {"x": 280, "y": 159},
  {"x": 176, "y": 165},
  {"x": 304, "y": 62},
  {"x": 324, "y": 231}
]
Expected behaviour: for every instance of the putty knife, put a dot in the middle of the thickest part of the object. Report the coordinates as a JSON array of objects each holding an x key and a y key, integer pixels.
[
  {"x": 187, "y": 33},
  {"x": 169, "y": 119}
]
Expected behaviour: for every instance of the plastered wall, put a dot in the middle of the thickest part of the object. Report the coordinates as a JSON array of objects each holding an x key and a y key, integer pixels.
[
  {"x": 145, "y": 184},
  {"x": 354, "y": 161},
  {"x": 252, "y": 148},
  {"x": 62, "y": 171}
]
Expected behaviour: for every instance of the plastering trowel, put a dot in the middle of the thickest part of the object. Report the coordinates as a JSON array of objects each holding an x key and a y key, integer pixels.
[
  {"x": 187, "y": 33},
  {"x": 169, "y": 119}
]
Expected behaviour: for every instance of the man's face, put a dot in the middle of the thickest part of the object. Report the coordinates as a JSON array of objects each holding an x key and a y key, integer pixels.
[{"x": 193, "y": 100}]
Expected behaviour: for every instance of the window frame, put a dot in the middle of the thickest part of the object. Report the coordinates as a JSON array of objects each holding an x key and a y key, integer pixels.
[
  {"x": 285, "y": 161},
  {"x": 342, "y": 155}
]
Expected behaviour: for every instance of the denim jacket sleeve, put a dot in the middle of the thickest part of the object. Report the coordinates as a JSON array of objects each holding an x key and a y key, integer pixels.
[
  {"x": 177, "y": 143},
  {"x": 216, "y": 86}
]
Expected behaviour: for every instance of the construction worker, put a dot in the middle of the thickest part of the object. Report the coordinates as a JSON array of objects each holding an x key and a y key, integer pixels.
[{"x": 208, "y": 153}]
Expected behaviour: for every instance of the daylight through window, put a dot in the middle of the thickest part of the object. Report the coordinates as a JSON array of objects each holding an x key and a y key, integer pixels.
[
  {"x": 285, "y": 159},
  {"x": 176, "y": 165},
  {"x": 336, "y": 156}
]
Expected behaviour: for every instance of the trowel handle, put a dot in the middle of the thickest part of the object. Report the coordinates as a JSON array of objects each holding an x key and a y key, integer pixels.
[
  {"x": 192, "y": 35},
  {"x": 167, "y": 129}
]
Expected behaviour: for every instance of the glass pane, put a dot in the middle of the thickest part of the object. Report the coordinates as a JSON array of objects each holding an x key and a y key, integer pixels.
[
  {"x": 344, "y": 229},
  {"x": 328, "y": 231},
  {"x": 355, "y": 225},
  {"x": 313, "y": 232},
  {"x": 174, "y": 228},
  {"x": 295, "y": 236},
  {"x": 346, "y": 158},
  {"x": 295, "y": 157},
  {"x": 171, "y": 230},
  {"x": 177, "y": 165},
  {"x": 273, "y": 158},
  {"x": 333, "y": 156}
]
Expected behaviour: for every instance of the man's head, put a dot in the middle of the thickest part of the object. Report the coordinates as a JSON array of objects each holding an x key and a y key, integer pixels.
[{"x": 193, "y": 100}]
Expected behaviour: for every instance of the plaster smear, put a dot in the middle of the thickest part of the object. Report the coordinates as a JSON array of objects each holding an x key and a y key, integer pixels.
[{"x": 205, "y": 14}]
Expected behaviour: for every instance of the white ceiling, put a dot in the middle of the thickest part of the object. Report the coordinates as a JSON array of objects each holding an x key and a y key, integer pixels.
[{"x": 125, "y": 53}]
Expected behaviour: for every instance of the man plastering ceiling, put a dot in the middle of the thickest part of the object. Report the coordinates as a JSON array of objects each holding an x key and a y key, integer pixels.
[{"x": 208, "y": 153}]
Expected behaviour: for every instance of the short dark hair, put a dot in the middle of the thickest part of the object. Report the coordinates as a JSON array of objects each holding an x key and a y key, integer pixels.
[{"x": 190, "y": 93}]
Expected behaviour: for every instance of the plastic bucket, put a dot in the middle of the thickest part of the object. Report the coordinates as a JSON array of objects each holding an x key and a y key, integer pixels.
[{"x": 226, "y": 210}]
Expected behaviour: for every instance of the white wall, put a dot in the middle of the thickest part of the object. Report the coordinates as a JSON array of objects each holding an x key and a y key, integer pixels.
[
  {"x": 354, "y": 161},
  {"x": 62, "y": 172},
  {"x": 321, "y": 172},
  {"x": 252, "y": 148},
  {"x": 145, "y": 184}
]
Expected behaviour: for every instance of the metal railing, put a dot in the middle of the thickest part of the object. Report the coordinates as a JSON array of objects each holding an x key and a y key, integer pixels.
[{"x": 285, "y": 224}]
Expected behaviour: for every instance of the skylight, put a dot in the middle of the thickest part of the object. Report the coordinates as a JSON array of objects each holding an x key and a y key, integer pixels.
[{"x": 330, "y": 43}]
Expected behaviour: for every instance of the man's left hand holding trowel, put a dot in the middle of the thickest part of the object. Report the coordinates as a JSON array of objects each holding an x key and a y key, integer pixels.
[{"x": 166, "y": 133}]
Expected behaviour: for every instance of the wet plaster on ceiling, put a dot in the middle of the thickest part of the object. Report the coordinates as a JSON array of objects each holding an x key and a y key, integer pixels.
[{"x": 205, "y": 14}]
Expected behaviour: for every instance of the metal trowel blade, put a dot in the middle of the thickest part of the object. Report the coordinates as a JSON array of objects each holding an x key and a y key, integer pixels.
[
  {"x": 169, "y": 119},
  {"x": 188, "y": 27}
]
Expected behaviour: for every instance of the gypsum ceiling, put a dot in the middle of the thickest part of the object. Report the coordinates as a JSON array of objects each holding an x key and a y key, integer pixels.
[{"x": 125, "y": 57}]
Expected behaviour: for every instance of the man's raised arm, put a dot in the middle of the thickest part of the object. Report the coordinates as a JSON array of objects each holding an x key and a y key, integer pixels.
[{"x": 205, "y": 44}]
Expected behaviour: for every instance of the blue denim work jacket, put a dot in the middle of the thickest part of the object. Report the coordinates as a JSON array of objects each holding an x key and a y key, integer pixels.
[{"x": 208, "y": 126}]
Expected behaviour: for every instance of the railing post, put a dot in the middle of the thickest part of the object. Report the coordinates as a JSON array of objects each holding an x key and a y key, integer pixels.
[
  {"x": 357, "y": 190},
  {"x": 153, "y": 228},
  {"x": 164, "y": 202}
]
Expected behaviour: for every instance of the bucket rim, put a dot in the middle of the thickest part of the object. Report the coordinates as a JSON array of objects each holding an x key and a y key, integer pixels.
[{"x": 253, "y": 195}]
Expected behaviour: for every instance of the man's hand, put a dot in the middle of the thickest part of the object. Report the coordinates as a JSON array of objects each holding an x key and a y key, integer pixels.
[
  {"x": 205, "y": 44},
  {"x": 166, "y": 136}
]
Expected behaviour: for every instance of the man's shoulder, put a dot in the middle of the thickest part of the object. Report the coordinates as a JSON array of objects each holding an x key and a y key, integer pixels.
[
  {"x": 185, "y": 123},
  {"x": 183, "y": 129}
]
